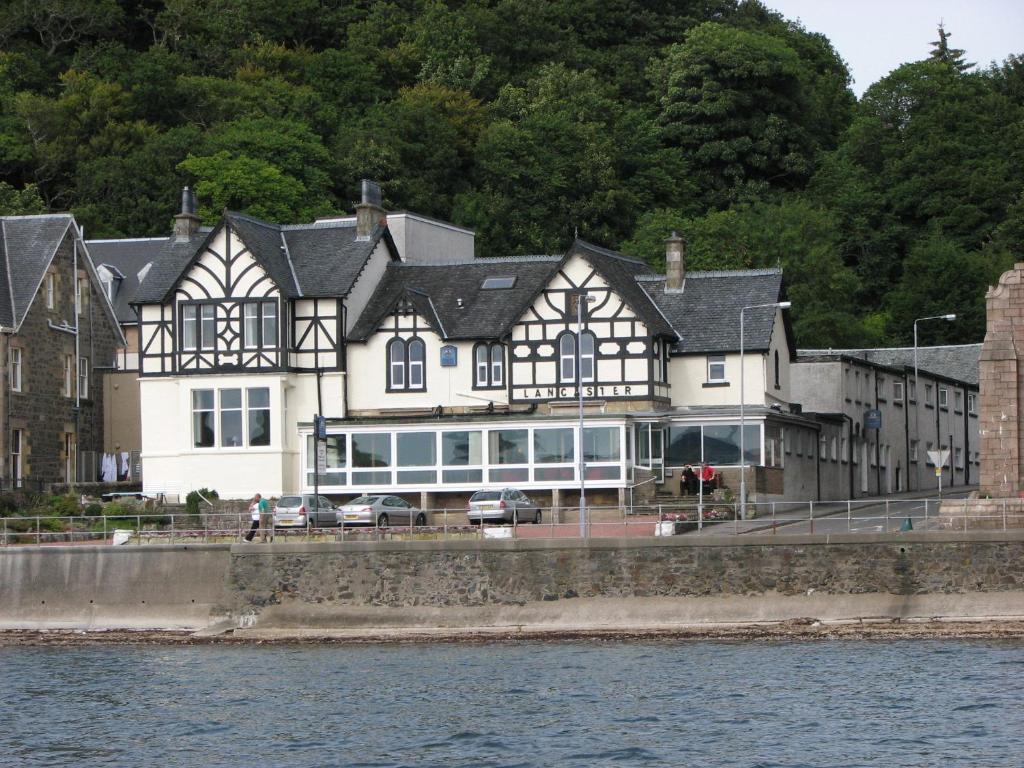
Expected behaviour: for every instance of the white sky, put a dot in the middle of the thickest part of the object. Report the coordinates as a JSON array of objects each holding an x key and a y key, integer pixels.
[{"x": 876, "y": 36}]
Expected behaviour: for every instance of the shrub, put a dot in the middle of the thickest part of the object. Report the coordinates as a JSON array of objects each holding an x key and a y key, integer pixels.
[
  {"x": 94, "y": 510},
  {"x": 63, "y": 506},
  {"x": 195, "y": 498}
]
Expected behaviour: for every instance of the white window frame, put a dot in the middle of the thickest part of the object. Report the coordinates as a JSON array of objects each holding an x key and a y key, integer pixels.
[
  {"x": 715, "y": 361},
  {"x": 207, "y": 315},
  {"x": 50, "y": 290},
  {"x": 417, "y": 368},
  {"x": 482, "y": 365},
  {"x": 83, "y": 378},
  {"x": 897, "y": 392},
  {"x": 943, "y": 397},
  {"x": 396, "y": 367},
  {"x": 972, "y": 402},
  {"x": 16, "y": 361},
  {"x": 928, "y": 394},
  {"x": 190, "y": 318},
  {"x": 69, "y": 362},
  {"x": 588, "y": 357},
  {"x": 567, "y": 358},
  {"x": 251, "y": 324},
  {"x": 497, "y": 354}
]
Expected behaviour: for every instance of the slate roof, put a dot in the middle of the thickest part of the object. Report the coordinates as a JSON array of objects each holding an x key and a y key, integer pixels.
[
  {"x": 706, "y": 311},
  {"x": 435, "y": 291},
  {"x": 320, "y": 259},
  {"x": 132, "y": 257},
  {"x": 28, "y": 245},
  {"x": 952, "y": 361}
]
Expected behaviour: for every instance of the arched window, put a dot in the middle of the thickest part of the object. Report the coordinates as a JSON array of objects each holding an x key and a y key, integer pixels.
[
  {"x": 567, "y": 357},
  {"x": 417, "y": 355},
  {"x": 406, "y": 364},
  {"x": 489, "y": 365},
  {"x": 587, "y": 345},
  {"x": 497, "y": 365},
  {"x": 396, "y": 364}
]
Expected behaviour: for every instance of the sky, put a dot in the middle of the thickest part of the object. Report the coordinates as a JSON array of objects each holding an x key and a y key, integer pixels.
[{"x": 876, "y": 36}]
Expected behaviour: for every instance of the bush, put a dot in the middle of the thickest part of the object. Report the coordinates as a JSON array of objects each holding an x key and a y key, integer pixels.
[
  {"x": 94, "y": 510},
  {"x": 62, "y": 506},
  {"x": 195, "y": 498}
]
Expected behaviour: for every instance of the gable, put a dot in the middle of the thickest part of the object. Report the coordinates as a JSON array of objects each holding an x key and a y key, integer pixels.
[{"x": 225, "y": 268}]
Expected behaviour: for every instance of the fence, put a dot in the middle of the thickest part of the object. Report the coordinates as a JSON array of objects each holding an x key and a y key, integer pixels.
[{"x": 718, "y": 518}]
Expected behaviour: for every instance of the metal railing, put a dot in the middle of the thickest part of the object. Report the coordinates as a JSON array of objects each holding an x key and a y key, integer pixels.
[{"x": 713, "y": 518}]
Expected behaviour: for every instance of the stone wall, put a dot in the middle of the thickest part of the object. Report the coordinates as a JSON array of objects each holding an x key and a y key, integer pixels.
[
  {"x": 521, "y": 572},
  {"x": 1001, "y": 387}
]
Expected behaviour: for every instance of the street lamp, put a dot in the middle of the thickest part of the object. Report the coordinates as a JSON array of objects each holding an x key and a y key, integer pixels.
[
  {"x": 584, "y": 298},
  {"x": 743, "y": 443},
  {"x": 949, "y": 318}
]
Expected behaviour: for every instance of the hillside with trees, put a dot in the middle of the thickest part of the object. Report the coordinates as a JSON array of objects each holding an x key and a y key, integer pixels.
[{"x": 531, "y": 121}]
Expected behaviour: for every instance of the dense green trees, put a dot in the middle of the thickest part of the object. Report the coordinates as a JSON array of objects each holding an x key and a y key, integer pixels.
[{"x": 532, "y": 121}]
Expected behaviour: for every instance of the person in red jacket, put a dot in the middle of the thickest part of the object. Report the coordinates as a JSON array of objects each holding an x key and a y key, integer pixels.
[{"x": 707, "y": 477}]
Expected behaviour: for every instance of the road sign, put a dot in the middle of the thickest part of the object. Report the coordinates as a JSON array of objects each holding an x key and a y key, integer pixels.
[
  {"x": 939, "y": 459},
  {"x": 320, "y": 427},
  {"x": 938, "y": 471},
  {"x": 321, "y": 457}
]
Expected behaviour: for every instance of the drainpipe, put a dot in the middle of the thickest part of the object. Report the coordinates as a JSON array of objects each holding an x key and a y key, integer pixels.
[
  {"x": 78, "y": 374},
  {"x": 967, "y": 440},
  {"x": 849, "y": 453},
  {"x": 906, "y": 424},
  {"x": 878, "y": 443}
]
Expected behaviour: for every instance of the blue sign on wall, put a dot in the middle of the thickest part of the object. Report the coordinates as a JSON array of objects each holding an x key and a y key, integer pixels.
[
  {"x": 449, "y": 356},
  {"x": 873, "y": 419}
]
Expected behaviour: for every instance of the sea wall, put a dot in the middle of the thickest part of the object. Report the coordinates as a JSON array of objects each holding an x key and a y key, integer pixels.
[
  {"x": 107, "y": 587},
  {"x": 393, "y": 587}
]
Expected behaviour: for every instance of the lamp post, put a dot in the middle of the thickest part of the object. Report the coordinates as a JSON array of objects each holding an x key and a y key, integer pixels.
[
  {"x": 584, "y": 298},
  {"x": 743, "y": 442}
]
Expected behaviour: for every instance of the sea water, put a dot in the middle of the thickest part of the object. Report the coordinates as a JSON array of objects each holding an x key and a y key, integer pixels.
[{"x": 942, "y": 702}]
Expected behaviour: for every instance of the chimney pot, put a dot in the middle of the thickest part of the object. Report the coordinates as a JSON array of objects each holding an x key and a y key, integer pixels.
[
  {"x": 675, "y": 261},
  {"x": 369, "y": 211},
  {"x": 186, "y": 223}
]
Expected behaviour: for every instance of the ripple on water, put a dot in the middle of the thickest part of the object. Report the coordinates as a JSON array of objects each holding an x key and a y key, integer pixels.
[{"x": 574, "y": 705}]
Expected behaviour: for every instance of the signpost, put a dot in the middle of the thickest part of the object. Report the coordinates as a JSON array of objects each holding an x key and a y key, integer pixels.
[
  {"x": 320, "y": 441},
  {"x": 939, "y": 459}
]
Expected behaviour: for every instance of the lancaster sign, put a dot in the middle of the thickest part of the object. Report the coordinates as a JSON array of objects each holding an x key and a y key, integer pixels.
[{"x": 569, "y": 392}]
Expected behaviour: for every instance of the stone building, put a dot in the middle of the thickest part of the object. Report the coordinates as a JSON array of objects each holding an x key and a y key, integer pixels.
[
  {"x": 58, "y": 335},
  {"x": 1001, "y": 387}
]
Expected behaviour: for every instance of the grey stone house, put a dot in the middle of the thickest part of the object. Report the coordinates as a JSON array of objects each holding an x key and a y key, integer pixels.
[{"x": 58, "y": 334}]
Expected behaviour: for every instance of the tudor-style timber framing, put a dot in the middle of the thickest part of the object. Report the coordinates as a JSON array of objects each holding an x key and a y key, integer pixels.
[{"x": 627, "y": 356}]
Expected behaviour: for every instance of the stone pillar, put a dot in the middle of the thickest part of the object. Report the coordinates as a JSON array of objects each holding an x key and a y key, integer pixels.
[
  {"x": 1002, "y": 388},
  {"x": 556, "y": 505},
  {"x": 428, "y": 503},
  {"x": 623, "y": 497}
]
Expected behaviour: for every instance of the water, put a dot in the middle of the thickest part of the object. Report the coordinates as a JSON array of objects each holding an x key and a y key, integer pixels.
[{"x": 839, "y": 703}]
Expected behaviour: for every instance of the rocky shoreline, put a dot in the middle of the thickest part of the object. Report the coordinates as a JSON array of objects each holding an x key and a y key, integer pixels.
[{"x": 797, "y": 630}]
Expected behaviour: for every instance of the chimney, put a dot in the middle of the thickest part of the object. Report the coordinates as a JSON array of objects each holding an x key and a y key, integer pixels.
[
  {"x": 186, "y": 223},
  {"x": 369, "y": 212},
  {"x": 675, "y": 262}
]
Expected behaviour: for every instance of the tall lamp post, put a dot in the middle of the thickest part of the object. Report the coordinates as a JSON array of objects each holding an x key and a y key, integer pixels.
[
  {"x": 584, "y": 298},
  {"x": 743, "y": 424}
]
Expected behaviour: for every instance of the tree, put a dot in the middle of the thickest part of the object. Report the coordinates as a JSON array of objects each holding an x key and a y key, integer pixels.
[
  {"x": 18, "y": 202},
  {"x": 941, "y": 51},
  {"x": 734, "y": 99}
]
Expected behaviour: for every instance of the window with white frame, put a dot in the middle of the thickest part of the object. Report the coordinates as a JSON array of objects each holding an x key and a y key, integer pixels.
[
  {"x": 972, "y": 402},
  {"x": 567, "y": 357},
  {"x": 232, "y": 417},
  {"x": 406, "y": 360},
  {"x": 489, "y": 366},
  {"x": 716, "y": 368},
  {"x": 943, "y": 397},
  {"x": 928, "y": 394},
  {"x": 189, "y": 326},
  {"x": 15, "y": 369},
  {"x": 69, "y": 375},
  {"x": 50, "y": 300},
  {"x": 259, "y": 327},
  {"x": 897, "y": 391},
  {"x": 207, "y": 326},
  {"x": 17, "y": 445},
  {"x": 83, "y": 378},
  {"x": 198, "y": 326},
  {"x": 588, "y": 346}
]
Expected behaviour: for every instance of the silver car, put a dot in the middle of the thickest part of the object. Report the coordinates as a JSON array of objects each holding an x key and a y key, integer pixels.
[
  {"x": 381, "y": 510},
  {"x": 299, "y": 510},
  {"x": 507, "y": 505}
]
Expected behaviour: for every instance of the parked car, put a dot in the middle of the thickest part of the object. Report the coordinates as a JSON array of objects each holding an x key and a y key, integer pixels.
[
  {"x": 380, "y": 509},
  {"x": 507, "y": 505},
  {"x": 297, "y": 510}
]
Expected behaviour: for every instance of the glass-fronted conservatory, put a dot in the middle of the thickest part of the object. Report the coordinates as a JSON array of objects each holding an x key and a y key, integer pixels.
[{"x": 470, "y": 456}]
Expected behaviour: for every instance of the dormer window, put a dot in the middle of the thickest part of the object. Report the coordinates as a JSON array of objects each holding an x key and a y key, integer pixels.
[
  {"x": 489, "y": 366},
  {"x": 567, "y": 357},
  {"x": 406, "y": 364}
]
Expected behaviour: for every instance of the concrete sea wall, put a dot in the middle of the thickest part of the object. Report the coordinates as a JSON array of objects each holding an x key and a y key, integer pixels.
[{"x": 369, "y": 588}]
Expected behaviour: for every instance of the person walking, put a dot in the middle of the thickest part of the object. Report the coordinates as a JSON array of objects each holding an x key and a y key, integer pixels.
[{"x": 259, "y": 511}]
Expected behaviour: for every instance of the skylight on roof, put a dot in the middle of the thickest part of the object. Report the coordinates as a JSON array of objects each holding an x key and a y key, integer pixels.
[{"x": 493, "y": 283}]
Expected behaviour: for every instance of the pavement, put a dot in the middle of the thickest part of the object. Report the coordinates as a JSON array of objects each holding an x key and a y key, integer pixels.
[{"x": 869, "y": 514}]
